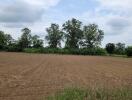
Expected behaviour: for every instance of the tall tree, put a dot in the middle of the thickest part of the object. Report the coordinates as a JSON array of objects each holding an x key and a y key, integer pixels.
[
  {"x": 54, "y": 36},
  {"x": 37, "y": 42},
  {"x": 73, "y": 33},
  {"x": 25, "y": 40},
  {"x": 92, "y": 36},
  {"x": 2, "y": 40}
]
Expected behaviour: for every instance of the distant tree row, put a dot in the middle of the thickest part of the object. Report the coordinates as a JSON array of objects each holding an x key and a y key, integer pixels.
[
  {"x": 25, "y": 41},
  {"x": 118, "y": 49},
  {"x": 72, "y": 33}
]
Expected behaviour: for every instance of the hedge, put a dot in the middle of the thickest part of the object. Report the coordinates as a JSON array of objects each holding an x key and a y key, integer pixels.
[{"x": 93, "y": 51}]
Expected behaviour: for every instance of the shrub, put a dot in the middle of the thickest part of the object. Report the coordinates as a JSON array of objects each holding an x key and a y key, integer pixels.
[
  {"x": 93, "y": 51},
  {"x": 32, "y": 50},
  {"x": 13, "y": 48},
  {"x": 129, "y": 51}
]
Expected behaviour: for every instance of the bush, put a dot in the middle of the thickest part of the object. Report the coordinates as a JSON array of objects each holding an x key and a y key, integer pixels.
[
  {"x": 32, "y": 50},
  {"x": 13, "y": 48},
  {"x": 129, "y": 51},
  {"x": 94, "y": 51}
]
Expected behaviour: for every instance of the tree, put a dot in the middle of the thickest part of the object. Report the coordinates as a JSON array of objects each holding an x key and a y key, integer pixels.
[
  {"x": 92, "y": 36},
  {"x": 120, "y": 48},
  {"x": 54, "y": 36},
  {"x": 129, "y": 51},
  {"x": 36, "y": 42},
  {"x": 2, "y": 40},
  {"x": 25, "y": 40},
  {"x": 110, "y": 48},
  {"x": 73, "y": 33},
  {"x": 9, "y": 39}
]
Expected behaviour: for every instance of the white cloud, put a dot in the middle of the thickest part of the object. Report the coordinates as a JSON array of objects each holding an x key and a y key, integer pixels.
[
  {"x": 116, "y": 3},
  {"x": 24, "y": 10},
  {"x": 42, "y": 3},
  {"x": 17, "y": 14},
  {"x": 114, "y": 17}
]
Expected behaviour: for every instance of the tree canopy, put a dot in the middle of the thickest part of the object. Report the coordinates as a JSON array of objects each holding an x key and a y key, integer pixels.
[
  {"x": 92, "y": 36},
  {"x": 54, "y": 36},
  {"x": 25, "y": 39},
  {"x": 73, "y": 33}
]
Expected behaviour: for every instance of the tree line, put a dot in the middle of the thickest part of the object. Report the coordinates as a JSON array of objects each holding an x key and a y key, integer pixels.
[{"x": 76, "y": 37}]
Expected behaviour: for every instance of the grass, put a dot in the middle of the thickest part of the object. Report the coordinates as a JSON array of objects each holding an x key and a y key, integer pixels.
[
  {"x": 93, "y": 94},
  {"x": 115, "y": 55}
]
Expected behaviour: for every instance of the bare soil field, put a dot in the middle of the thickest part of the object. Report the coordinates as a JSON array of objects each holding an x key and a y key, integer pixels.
[{"x": 33, "y": 76}]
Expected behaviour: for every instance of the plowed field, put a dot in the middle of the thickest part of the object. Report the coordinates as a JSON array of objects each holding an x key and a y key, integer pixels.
[{"x": 33, "y": 76}]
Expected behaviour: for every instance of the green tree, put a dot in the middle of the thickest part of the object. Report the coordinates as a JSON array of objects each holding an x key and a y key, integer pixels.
[
  {"x": 9, "y": 39},
  {"x": 37, "y": 42},
  {"x": 92, "y": 36},
  {"x": 25, "y": 40},
  {"x": 120, "y": 48},
  {"x": 2, "y": 40},
  {"x": 54, "y": 36},
  {"x": 129, "y": 51},
  {"x": 110, "y": 48},
  {"x": 73, "y": 33}
]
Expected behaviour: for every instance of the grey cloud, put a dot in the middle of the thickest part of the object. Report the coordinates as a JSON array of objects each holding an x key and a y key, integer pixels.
[
  {"x": 19, "y": 12},
  {"x": 14, "y": 25},
  {"x": 119, "y": 24}
]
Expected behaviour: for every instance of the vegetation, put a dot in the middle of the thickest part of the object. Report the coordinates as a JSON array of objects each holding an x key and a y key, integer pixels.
[
  {"x": 77, "y": 39},
  {"x": 85, "y": 51},
  {"x": 25, "y": 40},
  {"x": 92, "y": 36},
  {"x": 119, "y": 48},
  {"x": 37, "y": 42},
  {"x": 54, "y": 36},
  {"x": 73, "y": 33},
  {"x": 2, "y": 40},
  {"x": 110, "y": 47},
  {"x": 129, "y": 51},
  {"x": 93, "y": 94}
]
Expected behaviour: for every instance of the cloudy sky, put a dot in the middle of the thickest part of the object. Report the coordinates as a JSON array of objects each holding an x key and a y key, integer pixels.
[{"x": 113, "y": 16}]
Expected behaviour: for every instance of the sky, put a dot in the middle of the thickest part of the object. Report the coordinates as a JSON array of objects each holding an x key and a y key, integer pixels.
[{"x": 112, "y": 16}]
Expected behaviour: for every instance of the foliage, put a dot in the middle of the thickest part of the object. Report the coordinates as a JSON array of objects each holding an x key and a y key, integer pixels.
[
  {"x": 54, "y": 36},
  {"x": 92, "y": 36},
  {"x": 5, "y": 40},
  {"x": 33, "y": 50},
  {"x": 9, "y": 39},
  {"x": 36, "y": 42},
  {"x": 78, "y": 40},
  {"x": 123, "y": 93},
  {"x": 129, "y": 51},
  {"x": 69, "y": 94},
  {"x": 13, "y": 47},
  {"x": 73, "y": 33},
  {"x": 25, "y": 40},
  {"x": 93, "y": 51},
  {"x": 120, "y": 48},
  {"x": 2, "y": 40},
  {"x": 110, "y": 48}
]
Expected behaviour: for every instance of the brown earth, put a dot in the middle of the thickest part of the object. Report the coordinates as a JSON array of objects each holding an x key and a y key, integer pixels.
[{"x": 34, "y": 76}]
